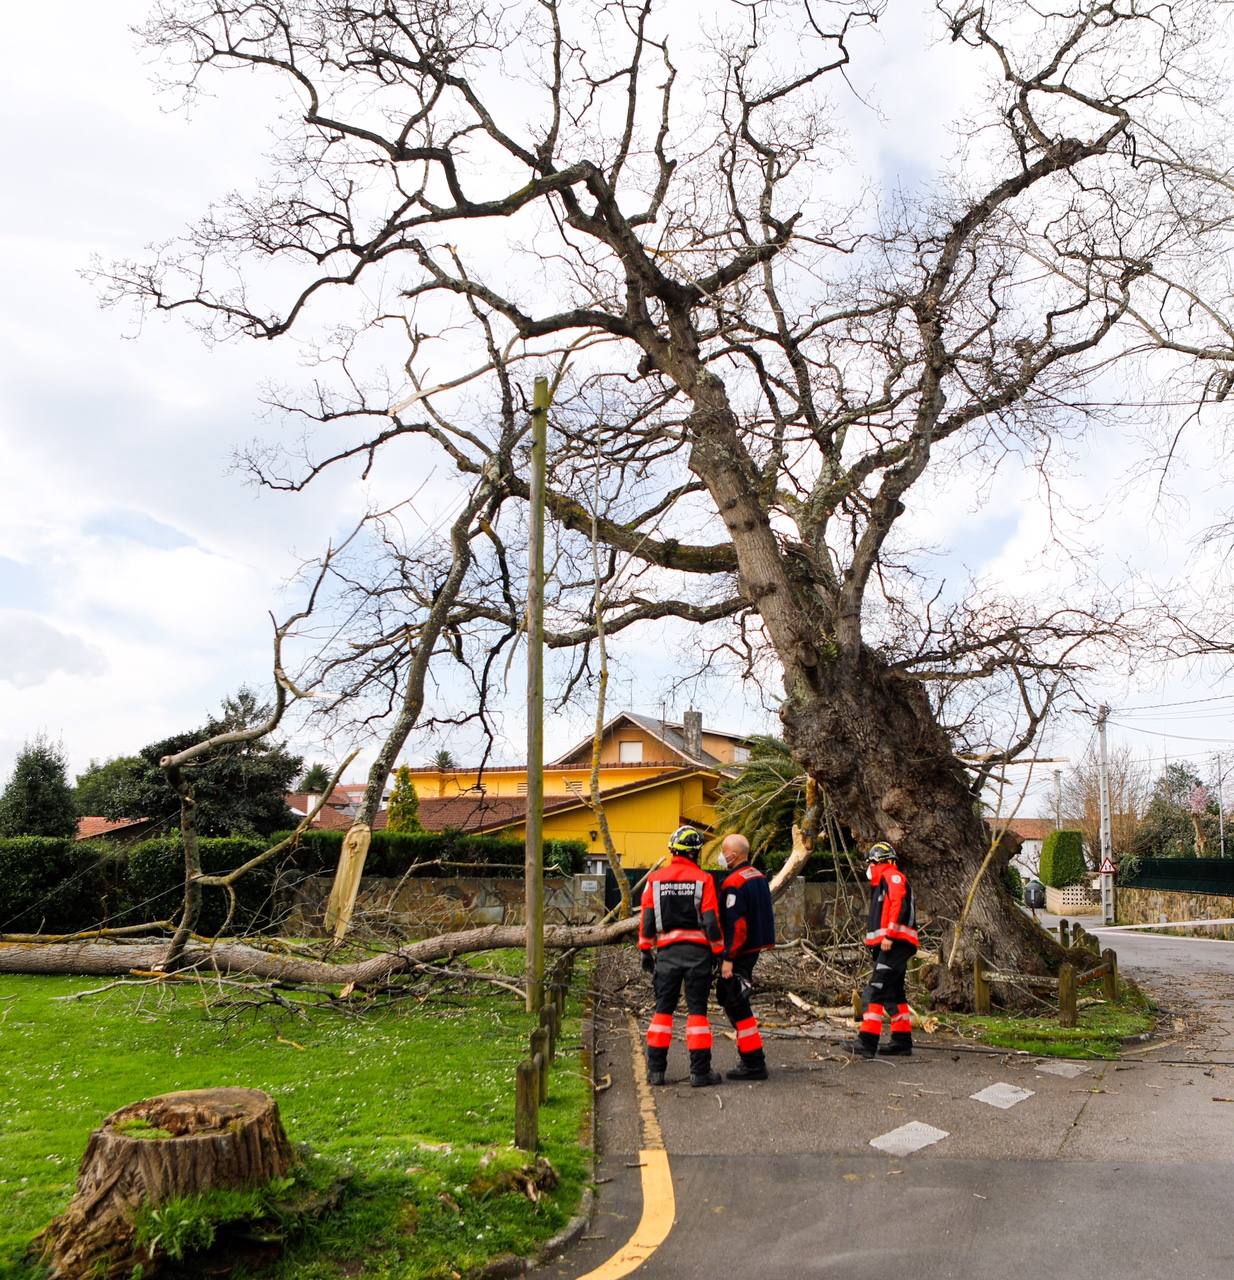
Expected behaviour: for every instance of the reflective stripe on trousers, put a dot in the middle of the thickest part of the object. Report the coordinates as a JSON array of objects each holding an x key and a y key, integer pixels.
[
  {"x": 698, "y": 1032},
  {"x": 660, "y": 1033},
  {"x": 748, "y": 1037}
]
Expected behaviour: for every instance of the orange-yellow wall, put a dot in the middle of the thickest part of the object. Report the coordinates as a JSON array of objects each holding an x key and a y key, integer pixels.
[
  {"x": 513, "y": 782},
  {"x": 641, "y": 822}
]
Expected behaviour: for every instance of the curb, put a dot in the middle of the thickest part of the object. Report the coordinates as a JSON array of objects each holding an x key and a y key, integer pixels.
[{"x": 507, "y": 1266}]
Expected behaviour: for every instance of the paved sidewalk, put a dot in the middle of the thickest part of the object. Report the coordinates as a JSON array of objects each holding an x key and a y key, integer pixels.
[{"x": 780, "y": 1179}]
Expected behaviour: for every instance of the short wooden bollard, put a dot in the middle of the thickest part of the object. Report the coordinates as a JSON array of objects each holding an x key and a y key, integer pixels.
[
  {"x": 857, "y": 1009},
  {"x": 526, "y": 1106},
  {"x": 1066, "y": 996},
  {"x": 542, "y": 1068},
  {"x": 981, "y": 988},
  {"x": 1109, "y": 981},
  {"x": 539, "y": 1054},
  {"x": 548, "y": 1023},
  {"x": 1063, "y": 929}
]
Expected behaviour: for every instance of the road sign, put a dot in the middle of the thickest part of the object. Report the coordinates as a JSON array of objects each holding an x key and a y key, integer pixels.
[{"x": 1108, "y": 868}]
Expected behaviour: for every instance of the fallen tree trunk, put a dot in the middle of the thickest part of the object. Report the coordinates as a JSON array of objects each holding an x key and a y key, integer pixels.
[
  {"x": 103, "y": 959},
  {"x": 92, "y": 957}
]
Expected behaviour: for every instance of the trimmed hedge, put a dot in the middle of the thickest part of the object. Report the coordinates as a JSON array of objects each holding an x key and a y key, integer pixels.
[
  {"x": 1062, "y": 860},
  {"x": 51, "y": 884},
  {"x": 822, "y": 866},
  {"x": 1013, "y": 882},
  {"x": 55, "y": 885},
  {"x": 1178, "y": 875}
]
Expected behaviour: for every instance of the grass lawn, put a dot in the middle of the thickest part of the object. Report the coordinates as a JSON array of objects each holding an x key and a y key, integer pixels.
[
  {"x": 1099, "y": 1034},
  {"x": 411, "y": 1098}
]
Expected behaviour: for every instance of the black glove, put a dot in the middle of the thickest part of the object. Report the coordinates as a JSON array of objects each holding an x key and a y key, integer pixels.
[{"x": 649, "y": 962}]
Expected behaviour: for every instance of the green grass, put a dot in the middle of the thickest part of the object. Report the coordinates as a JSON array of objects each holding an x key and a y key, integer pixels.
[
  {"x": 1100, "y": 1031},
  {"x": 417, "y": 1101}
]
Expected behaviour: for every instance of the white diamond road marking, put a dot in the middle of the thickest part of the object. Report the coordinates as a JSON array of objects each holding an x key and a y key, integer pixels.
[
  {"x": 1068, "y": 1070},
  {"x": 908, "y": 1138},
  {"x": 1001, "y": 1095}
]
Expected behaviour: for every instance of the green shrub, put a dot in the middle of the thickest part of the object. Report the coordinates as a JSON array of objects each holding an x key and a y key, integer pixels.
[
  {"x": 1062, "y": 859},
  {"x": 1013, "y": 882},
  {"x": 822, "y": 865},
  {"x": 54, "y": 885},
  {"x": 438, "y": 853}
]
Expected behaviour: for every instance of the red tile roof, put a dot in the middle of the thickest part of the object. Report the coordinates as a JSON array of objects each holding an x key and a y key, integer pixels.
[
  {"x": 92, "y": 828},
  {"x": 1028, "y": 828},
  {"x": 303, "y": 801}
]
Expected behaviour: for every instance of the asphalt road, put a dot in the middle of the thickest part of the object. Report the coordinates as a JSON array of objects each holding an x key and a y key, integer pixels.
[{"x": 1122, "y": 1170}]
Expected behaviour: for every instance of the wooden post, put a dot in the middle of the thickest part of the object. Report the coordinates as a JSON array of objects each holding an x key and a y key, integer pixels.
[
  {"x": 857, "y": 1009},
  {"x": 1109, "y": 982},
  {"x": 981, "y": 988},
  {"x": 533, "y": 863},
  {"x": 540, "y": 1054},
  {"x": 548, "y": 1023},
  {"x": 1063, "y": 927},
  {"x": 526, "y": 1106},
  {"x": 1066, "y": 996},
  {"x": 541, "y": 1065}
]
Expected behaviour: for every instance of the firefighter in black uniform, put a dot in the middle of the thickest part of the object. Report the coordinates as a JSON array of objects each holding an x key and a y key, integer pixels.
[
  {"x": 892, "y": 934},
  {"x": 749, "y": 927},
  {"x": 679, "y": 935}
]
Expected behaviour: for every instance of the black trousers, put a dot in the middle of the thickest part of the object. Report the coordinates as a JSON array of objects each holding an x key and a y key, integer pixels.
[
  {"x": 733, "y": 996},
  {"x": 885, "y": 992},
  {"x": 689, "y": 966}
]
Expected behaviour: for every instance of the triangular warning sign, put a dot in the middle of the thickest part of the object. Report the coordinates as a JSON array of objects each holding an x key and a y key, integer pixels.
[{"x": 1108, "y": 868}]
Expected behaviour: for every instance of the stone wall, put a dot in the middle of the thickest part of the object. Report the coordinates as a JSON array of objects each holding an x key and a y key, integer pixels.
[
  {"x": 428, "y": 905},
  {"x": 1155, "y": 906}
]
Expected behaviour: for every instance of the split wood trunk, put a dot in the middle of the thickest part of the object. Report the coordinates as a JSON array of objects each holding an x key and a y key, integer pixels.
[{"x": 178, "y": 1144}]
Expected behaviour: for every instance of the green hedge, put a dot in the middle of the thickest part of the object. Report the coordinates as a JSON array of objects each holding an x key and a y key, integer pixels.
[
  {"x": 1013, "y": 882},
  {"x": 823, "y": 865},
  {"x": 51, "y": 884},
  {"x": 1062, "y": 860},
  {"x": 55, "y": 885},
  {"x": 440, "y": 853}
]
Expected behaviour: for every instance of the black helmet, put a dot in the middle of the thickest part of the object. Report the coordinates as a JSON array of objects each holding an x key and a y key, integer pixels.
[
  {"x": 686, "y": 841},
  {"x": 881, "y": 852}
]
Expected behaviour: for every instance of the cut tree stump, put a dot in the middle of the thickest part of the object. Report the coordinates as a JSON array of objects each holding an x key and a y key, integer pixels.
[{"x": 178, "y": 1144}]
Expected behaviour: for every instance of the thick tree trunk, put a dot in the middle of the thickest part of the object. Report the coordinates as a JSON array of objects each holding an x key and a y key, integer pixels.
[
  {"x": 871, "y": 739},
  {"x": 179, "y": 1144}
]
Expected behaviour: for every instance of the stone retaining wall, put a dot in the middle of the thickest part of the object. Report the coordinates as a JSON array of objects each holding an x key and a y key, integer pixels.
[{"x": 1155, "y": 906}]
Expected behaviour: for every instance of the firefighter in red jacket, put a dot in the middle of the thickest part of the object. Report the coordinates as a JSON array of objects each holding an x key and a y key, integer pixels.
[
  {"x": 679, "y": 936},
  {"x": 892, "y": 934},
  {"x": 749, "y": 928}
]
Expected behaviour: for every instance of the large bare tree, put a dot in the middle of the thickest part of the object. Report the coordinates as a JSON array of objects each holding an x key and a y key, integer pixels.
[{"x": 755, "y": 375}]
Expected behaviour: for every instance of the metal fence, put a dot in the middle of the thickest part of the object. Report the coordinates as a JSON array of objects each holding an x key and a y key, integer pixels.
[{"x": 1181, "y": 875}]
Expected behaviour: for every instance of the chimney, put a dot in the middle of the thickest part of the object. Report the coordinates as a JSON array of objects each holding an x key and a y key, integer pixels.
[{"x": 692, "y": 733}]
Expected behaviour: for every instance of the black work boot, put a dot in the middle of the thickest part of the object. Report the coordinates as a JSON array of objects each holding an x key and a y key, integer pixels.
[
  {"x": 702, "y": 1080},
  {"x": 748, "y": 1071},
  {"x": 655, "y": 1073},
  {"x": 865, "y": 1046},
  {"x": 901, "y": 1045}
]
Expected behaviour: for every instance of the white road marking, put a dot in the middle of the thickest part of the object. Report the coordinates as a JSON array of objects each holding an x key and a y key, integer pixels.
[
  {"x": 1001, "y": 1095},
  {"x": 1055, "y": 1067},
  {"x": 908, "y": 1138}
]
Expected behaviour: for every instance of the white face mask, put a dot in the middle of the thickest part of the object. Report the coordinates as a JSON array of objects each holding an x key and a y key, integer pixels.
[
  {"x": 870, "y": 872},
  {"x": 723, "y": 861}
]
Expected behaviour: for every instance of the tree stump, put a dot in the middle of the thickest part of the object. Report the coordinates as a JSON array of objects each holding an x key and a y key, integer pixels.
[{"x": 178, "y": 1144}]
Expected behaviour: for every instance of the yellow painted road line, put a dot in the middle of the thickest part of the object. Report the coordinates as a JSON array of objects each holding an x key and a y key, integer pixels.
[{"x": 659, "y": 1204}]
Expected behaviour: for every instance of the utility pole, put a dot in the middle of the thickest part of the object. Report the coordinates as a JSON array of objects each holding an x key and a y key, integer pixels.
[
  {"x": 1107, "y": 851},
  {"x": 533, "y": 865},
  {"x": 1058, "y": 799},
  {"x": 1220, "y": 805}
]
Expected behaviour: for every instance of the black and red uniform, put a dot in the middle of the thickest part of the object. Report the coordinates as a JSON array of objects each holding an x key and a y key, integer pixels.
[
  {"x": 892, "y": 916},
  {"x": 749, "y": 925},
  {"x": 680, "y": 923}
]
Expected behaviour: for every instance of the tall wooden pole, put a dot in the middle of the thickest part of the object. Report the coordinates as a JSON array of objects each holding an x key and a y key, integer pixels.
[{"x": 534, "y": 861}]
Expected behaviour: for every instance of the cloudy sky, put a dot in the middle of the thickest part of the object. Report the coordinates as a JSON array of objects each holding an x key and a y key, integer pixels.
[{"x": 136, "y": 568}]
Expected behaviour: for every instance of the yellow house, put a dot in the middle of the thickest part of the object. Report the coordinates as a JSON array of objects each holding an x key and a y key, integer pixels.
[{"x": 655, "y": 775}]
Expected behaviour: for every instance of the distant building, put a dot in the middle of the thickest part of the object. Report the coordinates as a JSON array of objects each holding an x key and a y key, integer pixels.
[{"x": 655, "y": 775}]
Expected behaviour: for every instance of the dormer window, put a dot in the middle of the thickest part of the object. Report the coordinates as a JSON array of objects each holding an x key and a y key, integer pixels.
[{"x": 630, "y": 751}]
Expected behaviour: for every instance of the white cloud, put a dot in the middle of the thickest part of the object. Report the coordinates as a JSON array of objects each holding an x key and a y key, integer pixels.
[{"x": 32, "y": 650}]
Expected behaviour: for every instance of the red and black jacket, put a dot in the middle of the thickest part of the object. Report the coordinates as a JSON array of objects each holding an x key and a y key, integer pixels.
[
  {"x": 746, "y": 913},
  {"x": 892, "y": 914},
  {"x": 679, "y": 905}
]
